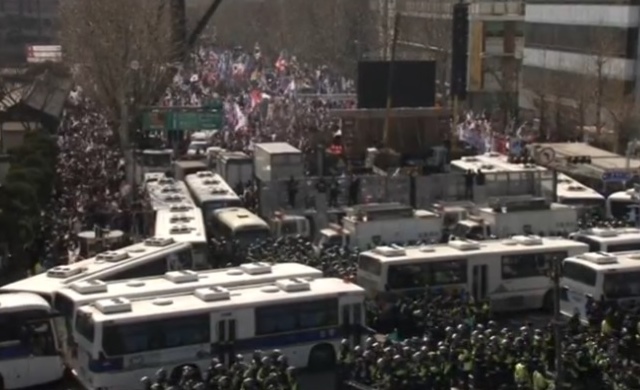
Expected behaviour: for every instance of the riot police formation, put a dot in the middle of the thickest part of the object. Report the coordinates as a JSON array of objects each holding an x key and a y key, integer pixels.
[{"x": 264, "y": 371}]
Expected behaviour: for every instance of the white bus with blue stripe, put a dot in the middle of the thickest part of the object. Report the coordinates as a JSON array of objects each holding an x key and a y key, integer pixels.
[
  {"x": 122, "y": 340},
  {"x": 601, "y": 277},
  {"x": 512, "y": 273},
  {"x": 71, "y": 298},
  {"x": 152, "y": 257},
  {"x": 28, "y": 343}
]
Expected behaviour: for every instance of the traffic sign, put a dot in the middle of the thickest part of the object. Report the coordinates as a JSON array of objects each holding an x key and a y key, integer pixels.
[
  {"x": 613, "y": 176},
  {"x": 182, "y": 118}
]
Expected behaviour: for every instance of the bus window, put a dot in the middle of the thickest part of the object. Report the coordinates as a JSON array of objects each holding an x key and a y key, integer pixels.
[
  {"x": 296, "y": 317},
  {"x": 370, "y": 265},
  {"x": 152, "y": 268},
  {"x": 621, "y": 285},
  {"x": 411, "y": 276},
  {"x": 579, "y": 273},
  {"x": 634, "y": 246},
  {"x": 594, "y": 246},
  {"x": 85, "y": 326},
  {"x": 529, "y": 265},
  {"x": 125, "y": 339},
  {"x": 251, "y": 235}
]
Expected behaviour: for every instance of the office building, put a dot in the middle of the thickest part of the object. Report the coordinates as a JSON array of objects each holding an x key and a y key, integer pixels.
[
  {"x": 25, "y": 22},
  {"x": 580, "y": 55},
  {"x": 495, "y": 43}
]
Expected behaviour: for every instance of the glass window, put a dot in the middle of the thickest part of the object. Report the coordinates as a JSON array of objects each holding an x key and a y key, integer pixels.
[
  {"x": 85, "y": 326},
  {"x": 438, "y": 273},
  {"x": 251, "y": 235},
  {"x": 153, "y": 335},
  {"x": 296, "y": 317},
  {"x": 11, "y": 331},
  {"x": 289, "y": 227},
  {"x": 579, "y": 273},
  {"x": 594, "y": 246},
  {"x": 370, "y": 265},
  {"x": 64, "y": 305},
  {"x": 529, "y": 265},
  {"x": 171, "y": 262},
  {"x": 621, "y": 285},
  {"x": 623, "y": 247},
  {"x": 153, "y": 268}
]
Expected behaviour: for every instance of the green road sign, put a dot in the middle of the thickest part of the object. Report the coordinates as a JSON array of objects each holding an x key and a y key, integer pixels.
[{"x": 182, "y": 118}]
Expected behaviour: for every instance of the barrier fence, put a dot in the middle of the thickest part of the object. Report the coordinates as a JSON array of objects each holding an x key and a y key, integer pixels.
[{"x": 419, "y": 191}]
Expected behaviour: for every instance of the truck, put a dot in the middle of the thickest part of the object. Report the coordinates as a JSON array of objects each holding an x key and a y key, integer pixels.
[
  {"x": 277, "y": 161},
  {"x": 235, "y": 167},
  {"x": 374, "y": 224},
  {"x": 152, "y": 161},
  {"x": 182, "y": 168},
  {"x": 522, "y": 215}
]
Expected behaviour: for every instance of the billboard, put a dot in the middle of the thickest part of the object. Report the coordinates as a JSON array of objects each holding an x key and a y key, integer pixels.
[{"x": 44, "y": 53}]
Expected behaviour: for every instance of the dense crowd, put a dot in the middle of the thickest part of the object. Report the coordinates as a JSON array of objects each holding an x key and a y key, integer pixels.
[
  {"x": 264, "y": 371},
  {"x": 89, "y": 178}
]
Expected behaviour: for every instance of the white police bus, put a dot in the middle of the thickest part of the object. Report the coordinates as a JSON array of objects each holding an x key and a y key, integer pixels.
[
  {"x": 184, "y": 223},
  {"x": 600, "y": 276},
  {"x": 28, "y": 343},
  {"x": 512, "y": 273},
  {"x": 239, "y": 225},
  {"x": 609, "y": 239},
  {"x": 167, "y": 193},
  {"x": 121, "y": 340},
  {"x": 69, "y": 299},
  {"x": 210, "y": 192},
  {"x": 621, "y": 205},
  {"x": 153, "y": 257}
]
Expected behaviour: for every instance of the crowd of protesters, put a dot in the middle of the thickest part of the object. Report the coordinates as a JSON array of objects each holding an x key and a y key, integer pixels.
[{"x": 89, "y": 177}]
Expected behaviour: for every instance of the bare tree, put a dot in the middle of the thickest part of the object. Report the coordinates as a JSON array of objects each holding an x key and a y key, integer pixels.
[
  {"x": 537, "y": 87},
  {"x": 123, "y": 49}
]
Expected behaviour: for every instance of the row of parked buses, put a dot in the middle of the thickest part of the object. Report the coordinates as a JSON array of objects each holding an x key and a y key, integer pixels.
[{"x": 123, "y": 313}]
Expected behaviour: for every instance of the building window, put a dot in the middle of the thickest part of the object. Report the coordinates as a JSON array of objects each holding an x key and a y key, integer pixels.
[{"x": 599, "y": 40}]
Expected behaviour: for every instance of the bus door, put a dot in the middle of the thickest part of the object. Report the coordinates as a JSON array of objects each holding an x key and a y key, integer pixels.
[
  {"x": 352, "y": 323},
  {"x": 479, "y": 282},
  {"x": 226, "y": 331}
]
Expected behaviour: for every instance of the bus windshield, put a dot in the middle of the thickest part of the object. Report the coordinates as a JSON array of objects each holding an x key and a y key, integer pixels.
[
  {"x": 621, "y": 285},
  {"x": 28, "y": 333},
  {"x": 620, "y": 209},
  {"x": 250, "y": 235},
  {"x": 156, "y": 159}
]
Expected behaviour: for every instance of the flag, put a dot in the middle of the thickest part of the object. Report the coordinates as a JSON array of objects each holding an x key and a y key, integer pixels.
[
  {"x": 256, "y": 98},
  {"x": 281, "y": 64}
]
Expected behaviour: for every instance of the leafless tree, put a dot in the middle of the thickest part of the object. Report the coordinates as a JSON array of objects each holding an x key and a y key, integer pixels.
[{"x": 122, "y": 49}]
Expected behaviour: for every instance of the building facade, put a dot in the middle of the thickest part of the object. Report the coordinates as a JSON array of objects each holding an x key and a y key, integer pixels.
[
  {"x": 25, "y": 22},
  {"x": 495, "y": 44},
  {"x": 582, "y": 56}
]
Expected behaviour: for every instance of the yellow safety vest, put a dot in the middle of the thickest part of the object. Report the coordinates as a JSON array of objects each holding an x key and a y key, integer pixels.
[
  {"x": 605, "y": 328},
  {"x": 539, "y": 382}
]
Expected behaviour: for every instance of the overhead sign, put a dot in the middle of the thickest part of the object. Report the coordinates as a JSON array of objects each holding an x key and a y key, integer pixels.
[
  {"x": 182, "y": 118},
  {"x": 616, "y": 176},
  {"x": 44, "y": 53}
]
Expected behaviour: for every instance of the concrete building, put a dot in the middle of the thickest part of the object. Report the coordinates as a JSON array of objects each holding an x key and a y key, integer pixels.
[
  {"x": 495, "y": 43},
  {"x": 25, "y": 22},
  {"x": 580, "y": 53}
]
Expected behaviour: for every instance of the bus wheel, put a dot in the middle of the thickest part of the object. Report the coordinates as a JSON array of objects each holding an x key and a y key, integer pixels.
[
  {"x": 176, "y": 374},
  {"x": 322, "y": 357},
  {"x": 547, "y": 302}
]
